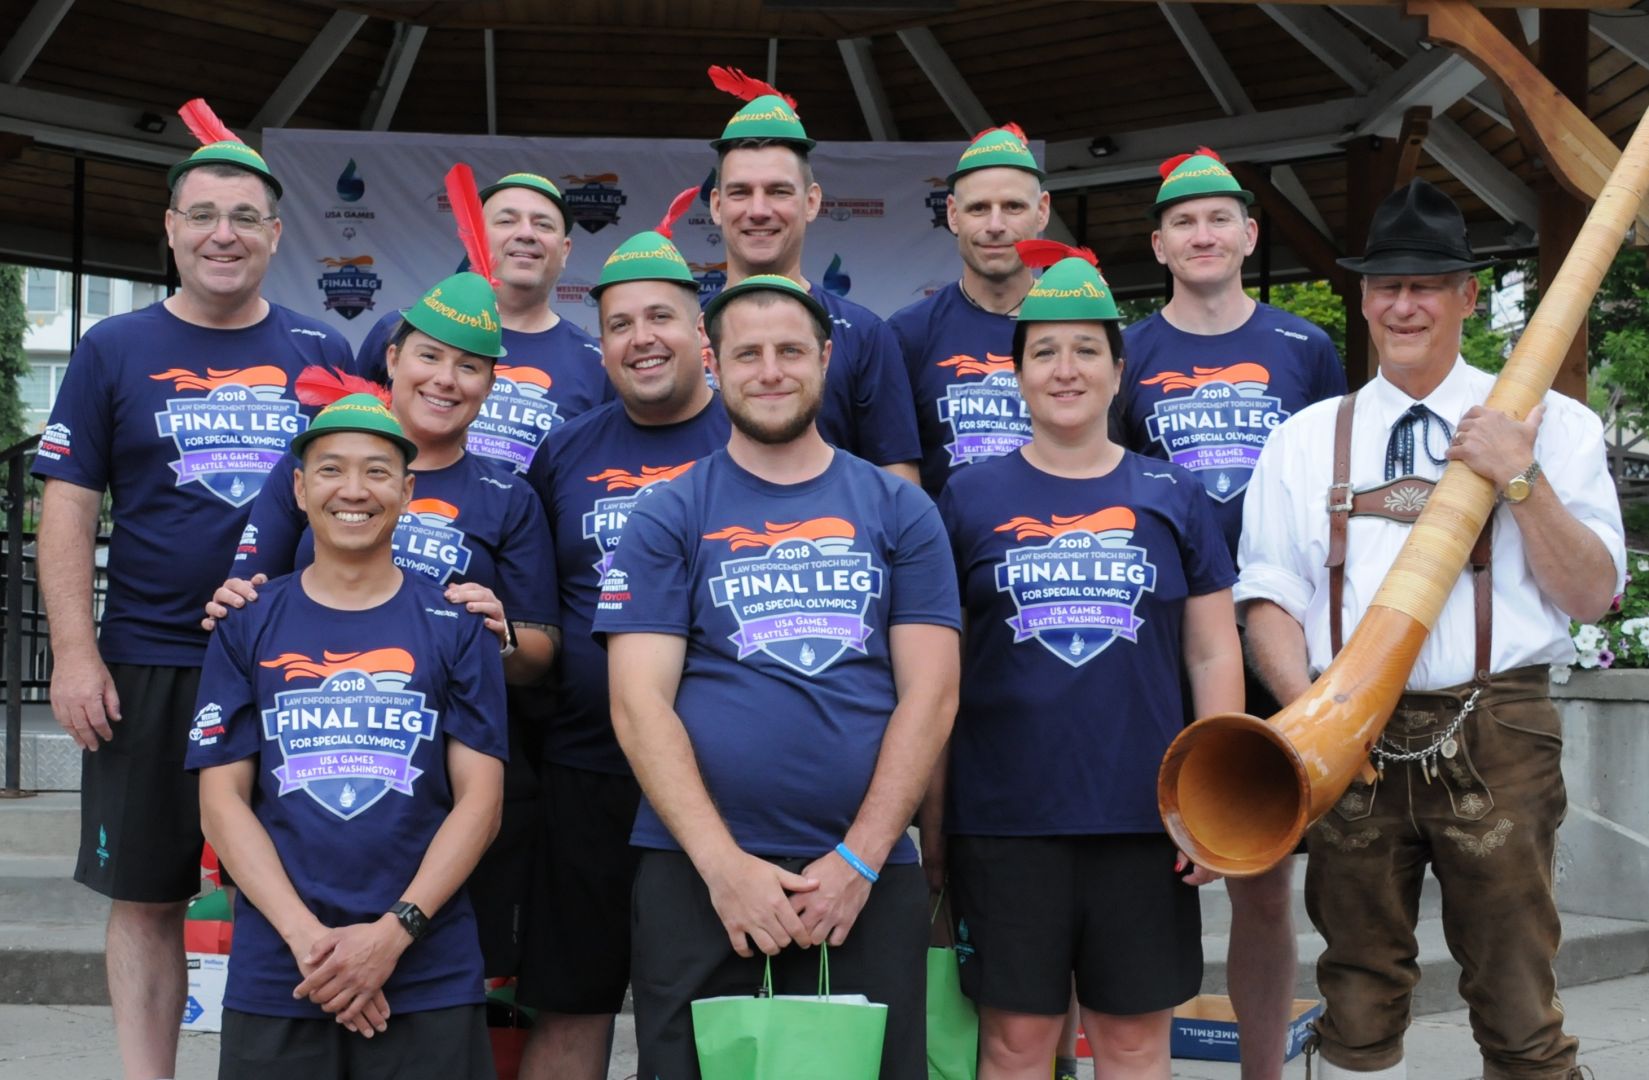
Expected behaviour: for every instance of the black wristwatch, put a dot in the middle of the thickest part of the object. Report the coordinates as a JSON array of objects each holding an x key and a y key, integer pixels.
[{"x": 412, "y": 920}]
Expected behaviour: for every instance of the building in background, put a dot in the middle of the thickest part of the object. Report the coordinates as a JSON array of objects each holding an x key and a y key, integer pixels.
[{"x": 48, "y": 297}]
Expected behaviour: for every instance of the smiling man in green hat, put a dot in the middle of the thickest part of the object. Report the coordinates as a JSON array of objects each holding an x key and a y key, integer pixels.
[
  {"x": 764, "y": 198},
  {"x": 179, "y": 411},
  {"x": 956, "y": 342},
  {"x": 554, "y": 371},
  {"x": 593, "y": 473},
  {"x": 355, "y": 948},
  {"x": 782, "y": 736},
  {"x": 1209, "y": 377}
]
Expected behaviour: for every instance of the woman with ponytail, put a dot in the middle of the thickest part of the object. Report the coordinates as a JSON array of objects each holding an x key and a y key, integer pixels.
[{"x": 1095, "y": 586}]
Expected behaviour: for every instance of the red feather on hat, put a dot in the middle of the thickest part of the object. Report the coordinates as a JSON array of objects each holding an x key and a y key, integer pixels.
[
  {"x": 1180, "y": 159},
  {"x": 1010, "y": 127},
  {"x": 465, "y": 201},
  {"x": 743, "y": 86},
  {"x": 1041, "y": 253},
  {"x": 678, "y": 207},
  {"x": 321, "y": 385},
  {"x": 204, "y": 124}
]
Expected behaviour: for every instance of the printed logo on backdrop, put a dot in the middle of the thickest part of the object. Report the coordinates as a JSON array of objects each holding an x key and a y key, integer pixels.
[
  {"x": 929, "y": 287},
  {"x": 426, "y": 541},
  {"x": 594, "y": 199},
  {"x": 350, "y": 741},
  {"x": 229, "y": 439},
  {"x": 575, "y": 290},
  {"x": 938, "y": 195},
  {"x": 516, "y": 416},
  {"x": 846, "y": 209},
  {"x": 1077, "y": 589},
  {"x": 350, "y": 185},
  {"x": 700, "y": 218},
  {"x": 836, "y": 282},
  {"x": 348, "y": 284},
  {"x": 986, "y": 416},
  {"x": 604, "y": 522},
  {"x": 350, "y": 188},
  {"x": 1219, "y": 429},
  {"x": 804, "y": 599},
  {"x": 712, "y": 279}
]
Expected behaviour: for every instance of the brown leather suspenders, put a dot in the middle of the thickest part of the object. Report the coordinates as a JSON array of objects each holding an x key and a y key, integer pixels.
[{"x": 1398, "y": 500}]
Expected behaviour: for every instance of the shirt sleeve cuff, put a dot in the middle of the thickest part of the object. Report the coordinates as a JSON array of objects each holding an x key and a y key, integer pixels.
[
  {"x": 1265, "y": 582},
  {"x": 1616, "y": 545}
]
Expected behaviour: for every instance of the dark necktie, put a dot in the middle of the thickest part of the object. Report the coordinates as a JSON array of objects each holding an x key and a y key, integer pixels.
[{"x": 1400, "y": 447}]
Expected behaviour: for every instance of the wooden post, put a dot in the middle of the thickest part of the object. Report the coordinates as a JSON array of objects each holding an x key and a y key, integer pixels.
[
  {"x": 1564, "y": 44},
  {"x": 1370, "y": 163}
]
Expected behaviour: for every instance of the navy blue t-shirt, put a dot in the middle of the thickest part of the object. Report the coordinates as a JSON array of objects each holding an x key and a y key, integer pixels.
[
  {"x": 960, "y": 361},
  {"x": 473, "y": 520},
  {"x": 785, "y": 594},
  {"x": 867, "y": 409},
  {"x": 590, "y": 476},
  {"x": 548, "y": 378},
  {"x": 348, "y": 714},
  {"x": 182, "y": 424},
  {"x": 1075, "y": 594},
  {"x": 1208, "y": 402}
]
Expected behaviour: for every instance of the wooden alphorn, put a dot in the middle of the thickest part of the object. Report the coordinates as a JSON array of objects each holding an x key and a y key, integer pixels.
[{"x": 1237, "y": 793}]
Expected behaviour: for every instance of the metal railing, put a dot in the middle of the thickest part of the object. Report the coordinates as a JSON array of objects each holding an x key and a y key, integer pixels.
[{"x": 26, "y": 641}]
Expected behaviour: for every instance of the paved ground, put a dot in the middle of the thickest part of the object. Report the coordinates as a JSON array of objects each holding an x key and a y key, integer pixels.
[{"x": 1611, "y": 1019}]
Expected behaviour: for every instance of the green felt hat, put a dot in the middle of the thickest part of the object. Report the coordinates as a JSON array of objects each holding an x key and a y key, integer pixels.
[
  {"x": 356, "y": 412},
  {"x": 650, "y": 255},
  {"x": 461, "y": 311},
  {"x": 1196, "y": 175},
  {"x": 1000, "y": 147},
  {"x": 218, "y": 146},
  {"x": 1070, "y": 290},
  {"x": 770, "y": 283},
  {"x": 532, "y": 182},
  {"x": 237, "y": 154},
  {"x": 768, "y": 114}
]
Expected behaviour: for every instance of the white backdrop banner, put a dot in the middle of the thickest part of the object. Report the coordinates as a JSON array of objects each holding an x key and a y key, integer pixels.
[{"x": 366, "y": 226}]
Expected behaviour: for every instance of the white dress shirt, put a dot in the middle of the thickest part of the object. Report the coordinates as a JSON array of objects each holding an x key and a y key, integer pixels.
[{"x": 1285, "y": 528}]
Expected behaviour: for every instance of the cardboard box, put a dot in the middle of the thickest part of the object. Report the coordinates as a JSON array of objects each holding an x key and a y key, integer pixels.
[
  {"x": 1205, "y": 1028},
  {"x": 203, "y": 1008}
]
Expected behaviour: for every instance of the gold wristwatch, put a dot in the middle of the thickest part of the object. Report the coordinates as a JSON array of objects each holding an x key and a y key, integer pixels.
[{"x": 1519, "y": 486}]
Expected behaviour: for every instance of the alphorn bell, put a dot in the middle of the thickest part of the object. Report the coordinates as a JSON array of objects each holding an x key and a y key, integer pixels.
[{"x": 1237, "y": 793}]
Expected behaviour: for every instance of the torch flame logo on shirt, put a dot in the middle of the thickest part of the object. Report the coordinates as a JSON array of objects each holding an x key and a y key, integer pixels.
[
  {"x": 348, "y": 740},
  {"x": 1075, "y": 591},
  {"x": 804, "y": 599}
]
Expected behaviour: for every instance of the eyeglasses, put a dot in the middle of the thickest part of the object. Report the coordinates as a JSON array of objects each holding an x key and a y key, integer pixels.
[{"x": 244, "y": 222}]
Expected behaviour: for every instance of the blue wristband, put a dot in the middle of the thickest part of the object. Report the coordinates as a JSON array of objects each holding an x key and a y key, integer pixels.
[{"x": 857, "y": 863}]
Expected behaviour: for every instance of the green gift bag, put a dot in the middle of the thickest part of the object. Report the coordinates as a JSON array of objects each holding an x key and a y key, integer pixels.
[
  {"x": 953, "y": 1022},
  {"x": 802, "y": 1037}
]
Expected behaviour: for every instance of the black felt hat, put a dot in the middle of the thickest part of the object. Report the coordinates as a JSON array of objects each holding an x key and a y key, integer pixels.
[{"x": 1416, "y": 230}]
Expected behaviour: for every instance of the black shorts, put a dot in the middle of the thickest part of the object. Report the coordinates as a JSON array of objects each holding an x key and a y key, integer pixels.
[
  {"x": 499, "y": 886},
  {"x": 1031, "y": 911},
  {"x": 682, "y": 953},
  {"x": 442, "y": 1044},
  {"x": 139, "y": 808},
  {"x": 576, "y": 946}
]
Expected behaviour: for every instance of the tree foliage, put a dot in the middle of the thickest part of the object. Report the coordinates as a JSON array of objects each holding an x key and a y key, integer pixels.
[
  {"x": 1617, "y": 340},
  {"x": 14, "y": 363}
]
